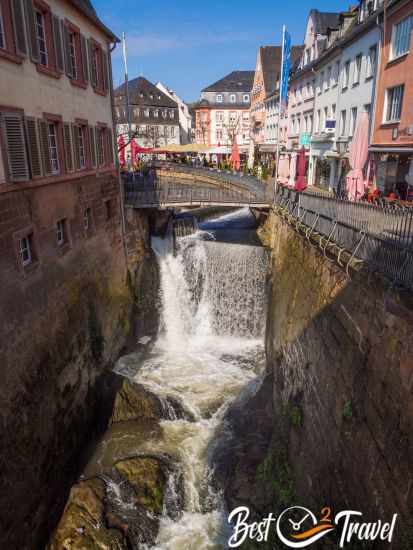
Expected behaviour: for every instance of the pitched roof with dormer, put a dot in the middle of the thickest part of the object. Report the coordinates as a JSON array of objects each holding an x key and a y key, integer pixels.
[
  {"x": 143, "y": 92},
  {"x": 237, "y": 81}
]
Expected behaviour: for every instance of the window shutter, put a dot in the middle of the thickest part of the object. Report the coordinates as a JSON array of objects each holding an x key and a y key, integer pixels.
[
  {"x": 110, "y": 146},
  {"x": 58, "y": 46},
  {"x": 105, "y": 70},
  {"x": 85, "y": 66},
  {"x": 67, "y": 138},
  {"x": 66, "y": 47},
  {"x": 92, "y": 145},
  {"x": 33, "y": 147},
  {"x": 92, "y": 64},
  {"x": 31, "y": 31},
  {"x": 18, "y": 27},
  {"x": 44, "y": 147},
  {"x": 12, "y": 126},
  {"x": 76, "y": 146}
]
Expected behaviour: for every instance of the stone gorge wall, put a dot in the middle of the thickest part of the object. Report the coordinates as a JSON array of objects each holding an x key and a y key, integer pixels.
[
  {"x": 62, "y": 324},
  {"x": 339, "y": 430}
]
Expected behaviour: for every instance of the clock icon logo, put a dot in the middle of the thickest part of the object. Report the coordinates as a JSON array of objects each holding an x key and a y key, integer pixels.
[{"x": 298, "y": 527}]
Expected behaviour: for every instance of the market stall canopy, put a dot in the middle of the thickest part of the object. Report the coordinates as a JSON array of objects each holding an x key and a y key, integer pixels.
[{"x": 188, "y": 148}]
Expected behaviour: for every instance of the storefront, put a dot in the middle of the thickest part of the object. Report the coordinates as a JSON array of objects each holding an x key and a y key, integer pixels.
[{"x": 394, "y": 171}]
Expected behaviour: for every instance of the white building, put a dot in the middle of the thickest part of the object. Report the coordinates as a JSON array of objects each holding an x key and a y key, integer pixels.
[
  {"x": 345, "y": 87},
  {"x": 185, "y": 118}
]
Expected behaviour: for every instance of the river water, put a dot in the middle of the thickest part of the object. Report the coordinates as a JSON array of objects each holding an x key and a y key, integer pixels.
[{"x": 209, "y": 347}]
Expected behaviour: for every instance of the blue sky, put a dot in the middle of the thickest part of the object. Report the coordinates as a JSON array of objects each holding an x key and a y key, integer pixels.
[{"x": 188, "y": 44}]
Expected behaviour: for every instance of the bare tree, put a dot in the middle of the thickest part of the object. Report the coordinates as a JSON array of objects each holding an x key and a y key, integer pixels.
[{"x": 232, "y": 127}]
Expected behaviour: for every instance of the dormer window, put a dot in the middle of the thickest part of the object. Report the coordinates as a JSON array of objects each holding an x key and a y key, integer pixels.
[
  {"x": 141, "y": 94},
  {"x": 232, "y": 98},
  {"x": 246, "y": 98},
  {"x": 219, "y": 98}
]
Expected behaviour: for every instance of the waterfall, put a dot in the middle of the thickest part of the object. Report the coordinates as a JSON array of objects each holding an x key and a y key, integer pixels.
[{"x": 209, "y": 347}]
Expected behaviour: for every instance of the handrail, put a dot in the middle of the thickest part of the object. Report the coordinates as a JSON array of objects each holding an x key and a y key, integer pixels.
[{"x": 380, "y": 236}]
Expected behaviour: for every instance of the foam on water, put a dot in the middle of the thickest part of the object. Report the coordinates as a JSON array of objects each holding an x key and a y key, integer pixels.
[{"x": 209, "y": 347}]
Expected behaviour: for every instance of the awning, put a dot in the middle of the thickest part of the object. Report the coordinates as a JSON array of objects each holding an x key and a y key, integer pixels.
[
  {"x": 188, "y": 148},
  {"x": 390, "y": 150}
]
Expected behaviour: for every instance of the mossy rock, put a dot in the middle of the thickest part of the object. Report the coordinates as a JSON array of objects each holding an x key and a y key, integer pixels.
[
  {"x": 82, "y": 526},
  {"x": 133, "y": 402},
  {"x": 147, "y": 477}
]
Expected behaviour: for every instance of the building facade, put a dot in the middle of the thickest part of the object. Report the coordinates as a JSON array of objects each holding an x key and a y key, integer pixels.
[
  {"x": 185, "y": 117},
  {"x": 392, "y": 141},
  {"x": 346, "y": 76},
  {"x": 222, "y": 114},
  {"x": 264, "y": 101},
  {"x": 153, "y": 116},
  {"x": 61, "y": 246}
]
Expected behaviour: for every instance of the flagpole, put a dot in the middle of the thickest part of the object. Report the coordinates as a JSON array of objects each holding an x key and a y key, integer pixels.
[
  {"x": 279, "y": 111},
  {"x": 125, "y": 63}
]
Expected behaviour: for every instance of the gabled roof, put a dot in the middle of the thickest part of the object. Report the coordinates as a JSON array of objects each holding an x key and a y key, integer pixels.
[
  {"x": 143, "y": 92},
  {"x": 325, "y": 20},
  {"x": 237, "y": 81},
  {"x": 86, "y": 7},
  {"x": 271, "y": 57}
]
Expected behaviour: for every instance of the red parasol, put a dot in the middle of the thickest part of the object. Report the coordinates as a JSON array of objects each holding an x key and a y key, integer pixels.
[
  {"x": 121, "y": 149},
  {"x": 235, "y": 158},
  {"x": 134, "y": 150},
  {"x": 301, "y": 181}
]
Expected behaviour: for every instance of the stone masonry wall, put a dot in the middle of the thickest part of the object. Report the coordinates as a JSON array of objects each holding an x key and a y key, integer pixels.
[
  {"x": 63, "y": 322},
  {"x": 340, "y": 360}
]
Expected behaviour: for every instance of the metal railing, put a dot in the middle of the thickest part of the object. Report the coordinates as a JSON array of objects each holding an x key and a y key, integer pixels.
[
  {"x": 169, "y": 195},
  {"x": 380, "y": 236}
]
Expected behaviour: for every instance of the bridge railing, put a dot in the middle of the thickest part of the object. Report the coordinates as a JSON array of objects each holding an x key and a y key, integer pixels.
[
  {"x": 380, "y": 236},
  {"x": 184, "y": 194}
]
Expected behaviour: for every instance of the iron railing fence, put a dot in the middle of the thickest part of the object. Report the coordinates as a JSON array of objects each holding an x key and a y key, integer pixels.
[
  {"x": 380, "y": 236},
  {"x": 188, "y": 195}
]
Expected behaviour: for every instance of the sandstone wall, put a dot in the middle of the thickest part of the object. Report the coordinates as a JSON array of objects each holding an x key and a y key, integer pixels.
[
  {"x": 340, "y": 359},
  {"x": 63, "y": 322}
]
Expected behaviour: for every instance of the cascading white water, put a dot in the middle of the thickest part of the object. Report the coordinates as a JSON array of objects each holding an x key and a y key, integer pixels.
[{"x": 209, "y": 347}]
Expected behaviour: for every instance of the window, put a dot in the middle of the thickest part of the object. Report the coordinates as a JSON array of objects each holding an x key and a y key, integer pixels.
[
  {"x": 98, "y": 61},
  {"x": 87, "y": 218},
  {"x": 353, "y": 121},
  {"x": 401, "y": 37},
  {"x": 41, "y": 37},
  {"x": 164, "y": 113},
  {"x": 321, "y": 84},
  {"x": 219, "y": 115},
  {"x": 53, "y": 147},
  {"x": 26, "y": 250},
  {"x": 343, "y": 116},
  {"x": 72, "y": 54},
  {"x": 367, "y": 108},
  {"x": 219, "y": 98},
  {"x": 335, "y": 74},
  {"x": 101, "y": 146},
  {"x": 232, "y": 98},
  {"x": 328, "y": 79},
  {"x": 346, "y": 74},
  {"x": 2, "y": 36},
  {"x": 81, "y": 145},
  {"x": 171, "y": 113},
  {"x": 357, "y": 69},
  {"x": 333, "y": 111},
  {"x": 246, "y": 98},
  {"x": 146, "y": 113},
  {"x": 394, "y": 102},
  {"x": 61, "y": 234},
  {"x": 172, "y": 131},
  {"x": 219, "y": 136},
  {"x": 156, "y": 113},
  {"x": 325, "y": 117},
  {"x": 108, "y": 210},
  {"x": 310, "y": 124},
  {"x": 371, "y": 62},
  {"x": 318, "y": 123}
]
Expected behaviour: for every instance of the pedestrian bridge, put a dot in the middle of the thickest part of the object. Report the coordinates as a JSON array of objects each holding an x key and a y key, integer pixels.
[{"x": 167, "y": 196}]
